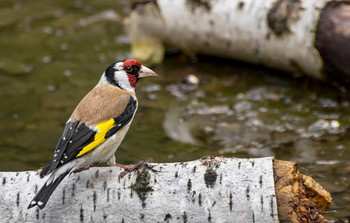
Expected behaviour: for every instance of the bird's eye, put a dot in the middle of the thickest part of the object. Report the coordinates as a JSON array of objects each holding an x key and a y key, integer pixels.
[{"x": 129, "y": 69}]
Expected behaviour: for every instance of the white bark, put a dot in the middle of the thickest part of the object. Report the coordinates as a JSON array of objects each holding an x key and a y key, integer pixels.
[
  {"x": 235, "y": 29},
  {"x": 205, "y": 190}
]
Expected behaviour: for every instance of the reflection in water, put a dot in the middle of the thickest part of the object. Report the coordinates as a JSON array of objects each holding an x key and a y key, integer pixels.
[{"x": 49, "y": 61}]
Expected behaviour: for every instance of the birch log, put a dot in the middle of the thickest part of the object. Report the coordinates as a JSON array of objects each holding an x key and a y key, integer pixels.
[
  {"x": 308, "y": 36},
  {"x": 212, "y": 189}
]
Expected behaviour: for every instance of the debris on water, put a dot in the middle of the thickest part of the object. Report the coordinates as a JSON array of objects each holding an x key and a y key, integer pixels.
[
  {"x": 67, "y": 73},
  {"x": 242, "y": 106},
  {"x": 327, "y": 162},
  {"x": 151, "y": 88},
  {"x": 51, "y": 87},
  {"x": 185, "y": 88},
  {"x": 46, "y": 59},
  {"x": 152, "y": 96},
  {"x": 219, "y": 109},
  {"x": 108, "y": 15},
  {"x": 323, "y": 124},
  {"x": 327, "y": 103}
]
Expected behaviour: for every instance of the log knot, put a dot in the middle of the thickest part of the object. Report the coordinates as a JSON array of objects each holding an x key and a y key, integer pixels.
[
  {"x": 282, "y": 14},
  {"x": 142, "y": 183}
]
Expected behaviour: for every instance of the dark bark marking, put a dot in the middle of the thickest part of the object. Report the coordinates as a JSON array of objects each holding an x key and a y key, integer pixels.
[
  {"x": 142, "y": 216},
  {"x": 4, "y": 181},
  {"x": 108, "y": 194},
  {"x": 28, "y": 176},
  {"x": 194, "y": 169},
  {"x": 104, "y": 216},
  {"x": 253, "y": 217},
  {"x": 96, "y": 174},
  {"x": 261, "y": 181},
  {"x": 262, "y": 203},
  {"x": 209, "y": 216},
  {"x": 240, "y": 5},
  {"x": 81, "y": 214},
  {"x": 167, "y": 217},
  {"x": 210, "y": 178},
  {"x": 282, "y": 15},
  {"x": 213, "y": 204},
  {"x": 189, "y": 186},
  {"x": 176, "y": 174},
  {"x": 94, "y": 196},
  {"x": 195, "y": 4},
  {"x": 87, "y": 183},
  {"x": 253, "y": 163},
  {"x": 271, "y": 205},
  {"x": 37, "y": 214},
  {"x": 63, "y": 196},
  {"x": 73, "y": 190},
  {"x": 333, "y": 41},
  {"x": 239, "y": 165},
  {"x": 36, "y": 188},
  {"x": 110, "y": 171},
  {"x": 17, "y": 174},
  {"x": 17, "y": 200},
  {"x": 104, "y": 185},
  {"x": 247, "y": 193},
  {"x": 118, "y": 195},
  {"x": 200, "y": 199},
  {"x": 230, "y": 203},
  {"x": 184, "y": 217},
  {"x": 123, "y": 220},
  {"x": 220, "y": 178}
]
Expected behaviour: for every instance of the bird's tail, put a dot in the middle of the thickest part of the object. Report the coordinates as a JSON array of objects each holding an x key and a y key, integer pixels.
[{"x": 46, "y": 191}]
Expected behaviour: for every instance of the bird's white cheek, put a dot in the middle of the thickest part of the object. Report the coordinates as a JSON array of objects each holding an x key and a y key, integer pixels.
[{"x": 122, "y": 79}]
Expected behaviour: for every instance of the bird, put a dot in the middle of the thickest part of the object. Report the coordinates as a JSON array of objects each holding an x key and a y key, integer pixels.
[{"x": 96, "y": 127}]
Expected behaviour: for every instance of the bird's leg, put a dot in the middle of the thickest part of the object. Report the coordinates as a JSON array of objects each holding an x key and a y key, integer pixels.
[
  {"x": 83, "y": 168},
  {"x": 128, "y": 168}
]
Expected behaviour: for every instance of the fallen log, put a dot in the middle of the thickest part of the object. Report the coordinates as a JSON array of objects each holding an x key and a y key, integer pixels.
[
  {"x": 310, "y": 37},
  {"x": 211, "y": 189}
]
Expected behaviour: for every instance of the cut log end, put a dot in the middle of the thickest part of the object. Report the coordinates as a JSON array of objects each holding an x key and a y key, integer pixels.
[{"x": 299, "y": 197}]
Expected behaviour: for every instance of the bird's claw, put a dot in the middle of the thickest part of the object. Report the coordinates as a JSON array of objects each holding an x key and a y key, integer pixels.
[
  {"x": 83, "y": 168},
  {"x": 128, "y": 168}
]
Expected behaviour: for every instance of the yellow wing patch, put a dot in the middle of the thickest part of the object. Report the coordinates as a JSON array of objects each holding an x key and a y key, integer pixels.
[{"x": 103, "y": 128}]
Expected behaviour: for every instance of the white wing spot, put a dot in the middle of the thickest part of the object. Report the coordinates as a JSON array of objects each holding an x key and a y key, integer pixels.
[
  {"x": 70, "y": 141},
  {"x": 58, "y": 150},
  {"x": 70, "y": 128},
  {"x": 64, "y": 138},
  {"x": 40, "y": 203},
  {"x": 55, "y": 155},
  {"x": 61, "y": 161},
  {"x": 33, "y": 202}
]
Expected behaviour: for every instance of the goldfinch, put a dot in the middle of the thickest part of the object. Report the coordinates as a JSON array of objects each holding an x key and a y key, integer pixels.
[{"x": 96, "y": 127}]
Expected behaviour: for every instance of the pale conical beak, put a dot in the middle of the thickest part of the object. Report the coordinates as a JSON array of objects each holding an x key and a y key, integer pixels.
[{"x": 146, "y": 72}]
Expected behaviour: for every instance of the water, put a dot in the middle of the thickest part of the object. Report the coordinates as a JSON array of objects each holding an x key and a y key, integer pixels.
[{"x": 50, "y": 60}]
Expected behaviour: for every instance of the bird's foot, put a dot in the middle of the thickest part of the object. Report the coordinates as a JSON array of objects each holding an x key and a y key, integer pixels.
[
  {"x": 83, "y": 168},
  {"x": 128, "y": 168}
]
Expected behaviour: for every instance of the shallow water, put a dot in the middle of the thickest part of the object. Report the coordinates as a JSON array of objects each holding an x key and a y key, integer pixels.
[{"x": 50, "y": 60}]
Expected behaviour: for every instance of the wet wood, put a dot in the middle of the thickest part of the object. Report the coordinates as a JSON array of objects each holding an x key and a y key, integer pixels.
[
  {"x": 310, "y": 37},
  {"x": 211, "y": 189},
  {"x": 333, "y": 40}
]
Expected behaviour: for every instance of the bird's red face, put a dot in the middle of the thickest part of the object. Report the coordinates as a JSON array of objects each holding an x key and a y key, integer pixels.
[{"x": 126, "y": 74}]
